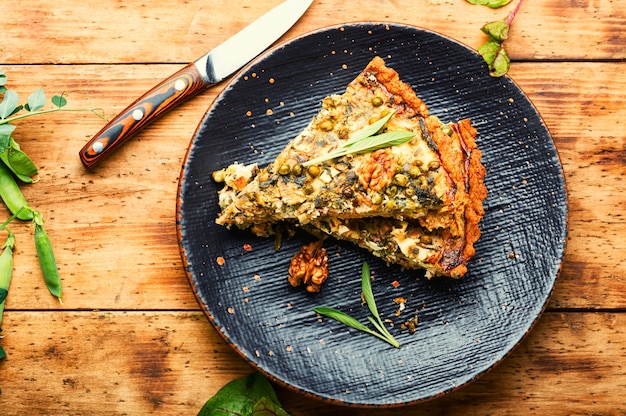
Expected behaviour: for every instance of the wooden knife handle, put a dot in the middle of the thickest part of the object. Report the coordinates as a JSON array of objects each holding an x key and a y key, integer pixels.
[{"x": 177, "y": 88}]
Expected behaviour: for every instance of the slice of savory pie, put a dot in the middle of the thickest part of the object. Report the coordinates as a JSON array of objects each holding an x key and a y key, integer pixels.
[
  {"x": 425, "y": 243},
  {"x": 374, "y": 168}
]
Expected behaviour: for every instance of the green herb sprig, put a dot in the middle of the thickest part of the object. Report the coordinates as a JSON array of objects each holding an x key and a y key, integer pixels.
[
  {"x": 366, "y": 140},
  {"x": 493, "y": 51},
  {"x": 380, "y": 331},
  {"x": 16, "y": 165}
]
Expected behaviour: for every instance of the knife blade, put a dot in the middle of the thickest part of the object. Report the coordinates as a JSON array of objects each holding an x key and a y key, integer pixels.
[{"x": 213, "y": 67}]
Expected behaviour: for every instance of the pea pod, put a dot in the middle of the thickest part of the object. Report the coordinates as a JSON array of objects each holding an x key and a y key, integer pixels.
[
  {"x": 6, "y": 270},
  {"x": 19, "y": 162},
  {"x": 6, "y": 267},
  {"x": 12, "y": 195},
  {"x": 47, "y": 262}
]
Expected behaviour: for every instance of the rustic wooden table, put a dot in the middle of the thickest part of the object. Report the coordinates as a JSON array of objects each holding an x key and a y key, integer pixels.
[{"x": 130, "y": 337}]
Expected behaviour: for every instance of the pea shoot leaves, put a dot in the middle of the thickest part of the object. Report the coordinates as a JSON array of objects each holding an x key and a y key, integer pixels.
[{"x": 9, "y": 104}]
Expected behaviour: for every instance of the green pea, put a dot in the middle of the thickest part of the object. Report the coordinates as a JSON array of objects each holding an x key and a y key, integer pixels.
[
  {"x": 377, "y": 101},
  {"x": 377, "y": 198},
  {"x": 297, "y": 170},
  {"x": 327, "y": 125},
  {"x": 391, "y": 190},
  {"x": 12, "y": 195},
  {"x": 400, "y": 179},
  {"x": 219, "y": 176},
  {"x": 47, "y": 262},
  {"x": 314, "y": 170},
  {"x": 414, "y": 172},
  {"x": 447, "y": 129},
  {"x": 284, "y": 169}
]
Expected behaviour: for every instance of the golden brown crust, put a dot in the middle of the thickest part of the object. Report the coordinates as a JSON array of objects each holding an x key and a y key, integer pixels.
[
  {"x": 403, "y": 95},
  {"x": 477, "y": 190},
  {"x": 460, "y": 157}
]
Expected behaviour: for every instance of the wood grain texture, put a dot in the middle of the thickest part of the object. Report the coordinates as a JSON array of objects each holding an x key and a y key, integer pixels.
[
  {"x": 125, "y": 32},
  {"x": 130, "y": 337},
  {"x": 113, "y": 363}
]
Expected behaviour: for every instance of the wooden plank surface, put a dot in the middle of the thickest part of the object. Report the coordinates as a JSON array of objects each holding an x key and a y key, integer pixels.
[
  {"x": 105, "y": 376},
  {"x": 130, "y": 337}
]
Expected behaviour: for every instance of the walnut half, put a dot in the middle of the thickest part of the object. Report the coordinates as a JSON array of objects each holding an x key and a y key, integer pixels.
[{"x": 309, "y": 267}]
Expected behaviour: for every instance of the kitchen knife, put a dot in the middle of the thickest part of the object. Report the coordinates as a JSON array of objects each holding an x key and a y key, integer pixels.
[{"x": 210, "y": 69}]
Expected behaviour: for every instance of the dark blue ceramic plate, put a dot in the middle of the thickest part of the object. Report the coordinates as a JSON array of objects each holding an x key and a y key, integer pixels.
[{"x": 465, "y": 327}]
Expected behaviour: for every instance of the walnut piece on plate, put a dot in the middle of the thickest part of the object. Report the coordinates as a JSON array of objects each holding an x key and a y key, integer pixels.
[{"x": 309, "y": 267}]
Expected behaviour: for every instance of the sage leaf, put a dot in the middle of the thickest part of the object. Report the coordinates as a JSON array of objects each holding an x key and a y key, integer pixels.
[
  {"x": 36, "y": 100},
  {"x": 9, "y": 103}
]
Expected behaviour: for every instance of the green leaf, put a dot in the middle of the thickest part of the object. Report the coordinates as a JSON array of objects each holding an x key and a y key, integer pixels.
[
  {"x": 3, "y": 78},
  {"x": 36, "y": 100},
  {"x": 501, "y": 64},
  {"x": 498, "y": 30},
  {"x": 6, "y": 130},
  {"x": 366, "y": 145},
  {"x": 59, "y": 101},
  {"x": 9, "y": 103},
  {"x": 366, "y": 288},
  {"x": 369, "y": 130},
  {"x": 495, "y": 56},
  {"x": 239, "y": 397},
  {"x": 380, "y": 141},
  {"x": 366, "y": 141},
  {"x": 342, "y": 317},
  {"x": 266, "y": 407},
  {"x": 3, "y": 353},
  {"x": 368, "y": 295},
  {"x": 494, "y": 4}
]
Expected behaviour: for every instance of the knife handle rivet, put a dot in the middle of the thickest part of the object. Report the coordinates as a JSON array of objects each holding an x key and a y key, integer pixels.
[
  {"x": 97, "y": 147},
  {"x": 137, "y": 114},
  {"x": 179, "y": 85}
]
